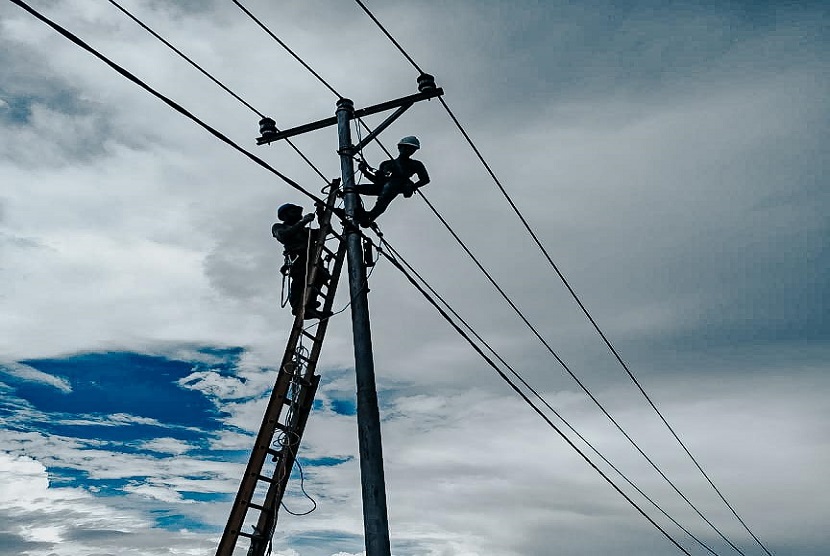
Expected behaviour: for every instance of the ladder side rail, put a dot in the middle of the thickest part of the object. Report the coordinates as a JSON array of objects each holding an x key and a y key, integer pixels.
[
  {"x": 278, "y": 398},
  {"x": 314, "y": 262},
  {"x": 268, "y": 517},
  {"x": 327, "y": 306},
  {"x": 255, "y": 464},
  {"x": 267, "y": 521}
]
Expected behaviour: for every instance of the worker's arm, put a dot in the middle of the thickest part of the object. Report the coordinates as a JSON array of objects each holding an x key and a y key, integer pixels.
[
  {"x": 371, "y": 174},
  {"x": 423, "y": 176},
  {"x": 284, "y": 232}
]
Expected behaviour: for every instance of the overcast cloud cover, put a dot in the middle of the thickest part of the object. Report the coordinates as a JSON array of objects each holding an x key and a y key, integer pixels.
[{"x": 672, "y": 158}]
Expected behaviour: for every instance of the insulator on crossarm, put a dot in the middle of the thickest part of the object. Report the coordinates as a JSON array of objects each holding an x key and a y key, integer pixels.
[
  {"x": 426, "y": 82},
  {"x": 267, "y": 128}
]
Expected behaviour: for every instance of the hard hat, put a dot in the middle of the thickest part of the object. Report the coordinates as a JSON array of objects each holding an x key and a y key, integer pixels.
[
  {"x": 410, "y": 140},
  {"x": 282, "y": 212}
]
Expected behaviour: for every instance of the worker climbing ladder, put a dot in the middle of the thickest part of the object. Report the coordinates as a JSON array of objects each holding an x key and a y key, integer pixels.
[{"x": 275, "y": 450}]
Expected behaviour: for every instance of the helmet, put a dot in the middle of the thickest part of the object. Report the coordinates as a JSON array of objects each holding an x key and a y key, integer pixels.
[
  {"x": 284, "y": 210},
  {"x": 410, "y": 140}
]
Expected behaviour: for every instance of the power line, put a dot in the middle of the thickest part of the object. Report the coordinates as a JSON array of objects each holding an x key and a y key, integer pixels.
[
  {"x": 256, "y": 159},
  {"x": 287, "y": 48},
  {"x": 389, "y": 36},
  {"x": 524, "y": 396},
  {"x": 568, "y": 285},
  {"x": 214, "y": 79},
  {"x": 573, "y": 375},
  {"x": 305, "y": 64},
  {"x": 172, "y": 104},
  {"x": 521, "y": 379},
  {"x": 184, "y": 56},
  {"x": 596, "y": 326}
]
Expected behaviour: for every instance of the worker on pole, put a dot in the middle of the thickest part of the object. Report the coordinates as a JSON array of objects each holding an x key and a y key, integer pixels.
[
  {"x": 392, "y": 178},
  {"x": 299, "y": 241}
]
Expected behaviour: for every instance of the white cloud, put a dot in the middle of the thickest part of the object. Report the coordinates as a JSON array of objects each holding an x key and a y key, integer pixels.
[
  {"x": 670, "y": 162},
  {"x": 25, "y": 372},
  {"x": 172, "y": 446}
]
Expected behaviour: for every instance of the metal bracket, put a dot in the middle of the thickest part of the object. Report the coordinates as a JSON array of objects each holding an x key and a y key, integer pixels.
[{"x": 386, "y": 123}]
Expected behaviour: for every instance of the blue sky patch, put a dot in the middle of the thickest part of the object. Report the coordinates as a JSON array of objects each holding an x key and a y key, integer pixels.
[
  {"x": 120, "y": 383},
  {"x": 176, "y": 522},
  {"x": 323, "y": 462},
  {"x": 344, "y": 406},
  {"x": 118, "y": 402},
  {"x": 207, "y": 496}
]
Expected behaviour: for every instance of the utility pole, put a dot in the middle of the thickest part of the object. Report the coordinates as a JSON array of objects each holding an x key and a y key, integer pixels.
[{"x": 375, "y": 518}]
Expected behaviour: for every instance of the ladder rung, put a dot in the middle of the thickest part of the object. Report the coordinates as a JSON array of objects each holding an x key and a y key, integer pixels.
[
  {"x": 265, "y": 479},
  {"x": 308, "y": 334},
  {"x": 250, "y": 535},
  {"x": 256, "y": 506}
]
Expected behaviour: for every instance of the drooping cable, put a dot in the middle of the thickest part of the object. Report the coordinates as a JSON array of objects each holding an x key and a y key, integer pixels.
[
  {"x": 573, "y": 375},
  {"x": 521, "y": 379},
  {"x": 525, "y": 397},
  {"x": 306, "y": 494},
  {"x": 568, "y": 286},
  {"x": 214, "y": 79}
]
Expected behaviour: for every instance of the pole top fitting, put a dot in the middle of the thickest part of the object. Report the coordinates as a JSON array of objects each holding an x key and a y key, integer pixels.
[
  {"x": 267, "y": 129},
  {"x": 345, "y": 104},
  {"x": 426, "y": 82}
]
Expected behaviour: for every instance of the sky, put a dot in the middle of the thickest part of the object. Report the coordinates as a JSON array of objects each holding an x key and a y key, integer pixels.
[{"x": 671, "y": 157}]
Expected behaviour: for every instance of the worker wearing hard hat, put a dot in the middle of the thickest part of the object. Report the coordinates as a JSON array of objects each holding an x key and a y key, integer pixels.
[
  {"x": 392, "y": 178},
  {"x": 298, "y": 242}
]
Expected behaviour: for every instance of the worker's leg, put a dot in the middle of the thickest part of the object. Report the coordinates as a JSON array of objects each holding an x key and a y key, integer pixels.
[
  {"x": 313, "y": 303},
  {"x": 368, "y": 188},
  {"x": 386, "y": 196},
  {"x": 295, "y": 294}
]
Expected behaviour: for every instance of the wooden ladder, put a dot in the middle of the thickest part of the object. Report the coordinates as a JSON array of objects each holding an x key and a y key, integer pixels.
[{"x": 265, "y": 480}]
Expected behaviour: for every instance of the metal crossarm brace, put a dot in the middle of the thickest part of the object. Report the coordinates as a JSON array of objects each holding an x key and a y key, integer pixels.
[{"x": 377, "y": 131}]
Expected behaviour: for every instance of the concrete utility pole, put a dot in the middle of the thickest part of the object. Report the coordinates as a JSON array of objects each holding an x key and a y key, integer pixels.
[{"x": 375, "y": 519}]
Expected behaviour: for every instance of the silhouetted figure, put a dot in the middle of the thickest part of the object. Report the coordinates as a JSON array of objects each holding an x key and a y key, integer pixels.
[
  {"x": 392, "y": 178},
  {"x": 298, "y": 242}
]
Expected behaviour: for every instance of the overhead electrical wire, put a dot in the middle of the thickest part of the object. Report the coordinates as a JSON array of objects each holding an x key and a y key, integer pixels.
[
  {"x": 573, "y": 375},
  {"x": 392, "y": 259},
  {"x": 336, "y": 93},
  {"x": 567, "y": 283},
  {"x": 305, "y": 64},
  {"x": 73, "y": 38},
  {"x": 172, "y": 104},
  {"x": 288, "y": 49},
  {"x": 214, "y": 79},
  {"x": 535, "y": 392}
]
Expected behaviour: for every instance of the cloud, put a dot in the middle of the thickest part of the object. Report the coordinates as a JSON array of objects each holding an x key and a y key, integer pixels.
[
  {"x": 27, "y": 373},
  {"x": 172, "y": 446},
  {"x": 670, "y": 158}
]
